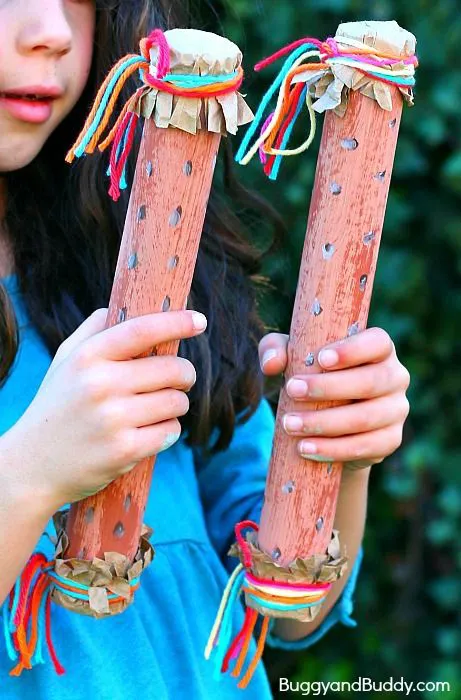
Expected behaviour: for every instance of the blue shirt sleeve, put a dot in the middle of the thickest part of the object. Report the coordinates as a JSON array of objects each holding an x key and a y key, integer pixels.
[{"x": 232, "y": 484}]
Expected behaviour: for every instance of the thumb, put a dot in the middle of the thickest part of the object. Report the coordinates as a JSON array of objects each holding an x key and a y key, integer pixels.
[
  {"x": 91, "y": 326},
  {"x": 273, "y": 353}
]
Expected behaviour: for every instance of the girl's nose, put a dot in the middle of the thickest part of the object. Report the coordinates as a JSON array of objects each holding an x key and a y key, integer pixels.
[{"x": 45, "y": 29}]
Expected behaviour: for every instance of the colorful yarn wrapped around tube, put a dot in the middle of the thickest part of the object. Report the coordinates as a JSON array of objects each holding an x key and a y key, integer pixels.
[
  {"x": 28, "y": 623},
  {"x": 271, "y": 595}
]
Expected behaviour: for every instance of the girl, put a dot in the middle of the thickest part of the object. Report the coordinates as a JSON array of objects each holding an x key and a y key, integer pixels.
[{"x": 77, "y": 411}]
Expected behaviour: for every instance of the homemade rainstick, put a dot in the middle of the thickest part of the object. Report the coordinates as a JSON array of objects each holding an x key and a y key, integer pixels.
[
  {"x": 332, "y": 302},
  {"x": 159, "y": 248},
  {"x": 189, "y": 98},
  {"x": 290, "y": 560}
]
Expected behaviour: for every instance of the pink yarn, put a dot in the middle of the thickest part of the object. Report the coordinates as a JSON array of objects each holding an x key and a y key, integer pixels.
[
  {"x": 287, "y": 49},
  {"x": 287, "y": 584},
  {"x": 157, "y": 38},
  {"x": 333, "y": 44},
  {"x": 237, "y": 649},
  {"x": 247, "y": 560},
  {"x": 116, "y": 168}
]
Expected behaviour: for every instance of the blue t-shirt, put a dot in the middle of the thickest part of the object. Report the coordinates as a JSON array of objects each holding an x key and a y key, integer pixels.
[{"x": 156, "y": 647}]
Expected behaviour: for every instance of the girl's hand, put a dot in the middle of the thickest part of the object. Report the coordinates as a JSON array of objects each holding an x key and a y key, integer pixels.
[
  {"x": 363, "y": 369},
  {"x": 99, "y": 412}
]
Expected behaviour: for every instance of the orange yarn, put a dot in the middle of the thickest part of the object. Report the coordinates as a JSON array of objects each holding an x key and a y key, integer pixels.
[
  {"x": 288, "y": 99},
  {"x": 259, "y": 652},
  {"x": 194, "y": 91},
  {"x": 72, "y": 589},
  {"x": 253, "y": 616},
  {"x": 110, "y": 137},
  {"x": 107, "y": 114},
  {"x": 281, "y": 599}
]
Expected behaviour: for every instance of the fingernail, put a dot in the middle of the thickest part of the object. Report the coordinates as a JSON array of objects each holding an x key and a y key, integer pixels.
[
  {"x": 297, "y": 388},
  {"x": 268, "y": 355},
  {"x": 199, "y": 321},
  {"x": 318, "y": 458},
  {"x": 170, "y": 439},
  {"x": 292, "y": 423},
  {"x": 307, "y": 449},
  {"x": 190, "y": 378},
  {"x": 328, "y": 358}
]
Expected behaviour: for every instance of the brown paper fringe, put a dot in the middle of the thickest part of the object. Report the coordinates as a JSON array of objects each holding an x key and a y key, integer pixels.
[
  {"x": 333, "y": 90},
  {"x": 220, "y": 115},
  {"x": 111, "y": 574},
  {"x": 318, "y": 568}
]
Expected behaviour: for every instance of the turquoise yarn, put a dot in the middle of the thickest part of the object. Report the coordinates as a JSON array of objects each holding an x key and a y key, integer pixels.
[
  {"x": 225, "y": 632},
  {"x": 105, "y": 99},
  {"x": 282, "y": 606},
  {"x": 80, "y": 586},
  {"x": 191, "y": 81},
  {"x": 267, "y": 97},
  {"x": 283, "y": 145}
]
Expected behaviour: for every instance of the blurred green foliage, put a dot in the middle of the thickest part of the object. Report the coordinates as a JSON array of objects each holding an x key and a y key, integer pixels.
[{"x": 408, "y": 598}]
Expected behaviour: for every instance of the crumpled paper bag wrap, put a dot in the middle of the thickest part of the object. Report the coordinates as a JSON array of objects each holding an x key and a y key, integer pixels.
[
  {"x": 113, "y": 574},
  {"x": 319, "y": 568},
  {"x": 331, "y": 88},
  {"x": 196, "y": 53}
]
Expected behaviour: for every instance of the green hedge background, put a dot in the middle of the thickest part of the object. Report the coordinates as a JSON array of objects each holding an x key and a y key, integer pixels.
[{"x": 408, "y": 598}]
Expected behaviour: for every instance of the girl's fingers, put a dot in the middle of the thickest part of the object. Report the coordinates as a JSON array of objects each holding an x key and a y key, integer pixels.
[
  {"x": 361, "y": 417},
  {"x": 147, "y": 374},
  {"x": 366, "y": 382},
  {"x": 370, "y": 447},
  {"x": 273, "y": 353},
  {"x": 139, "y": 443},
  {"x": 143, "y": 409},
  {"x": 138, "y": 335},
  {"x": 368, "y": 346}
]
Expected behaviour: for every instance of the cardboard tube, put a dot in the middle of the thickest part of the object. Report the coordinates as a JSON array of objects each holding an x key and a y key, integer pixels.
[
  {"x": 154, "y": 273},
  {"x": 332, "y": 302}
]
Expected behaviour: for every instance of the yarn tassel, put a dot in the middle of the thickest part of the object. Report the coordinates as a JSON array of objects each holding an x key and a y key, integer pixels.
[
  {"x": 241, "y": 156},
  {"x": 104, "y": 105},
  {"x": 298, "y": 96},
  {"x": 219, "y": 638},
  {"x": 27, "y": 618},
  {"x": 117, "y": 165},
  {"x": 286, "y": 596}
]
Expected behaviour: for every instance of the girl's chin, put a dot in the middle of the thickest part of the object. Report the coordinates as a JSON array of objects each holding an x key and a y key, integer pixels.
[{"x": 12, "y": 159}]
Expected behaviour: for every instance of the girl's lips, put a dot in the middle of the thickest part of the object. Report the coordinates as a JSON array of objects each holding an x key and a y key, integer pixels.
[{"x": 27, "y": 110}]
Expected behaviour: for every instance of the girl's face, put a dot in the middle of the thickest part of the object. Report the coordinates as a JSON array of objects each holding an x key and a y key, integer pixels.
[{"x": 46, "y": 50}]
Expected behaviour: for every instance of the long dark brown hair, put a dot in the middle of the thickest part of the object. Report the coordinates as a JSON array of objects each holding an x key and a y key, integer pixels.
[{"x": 65, "y": 235}]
